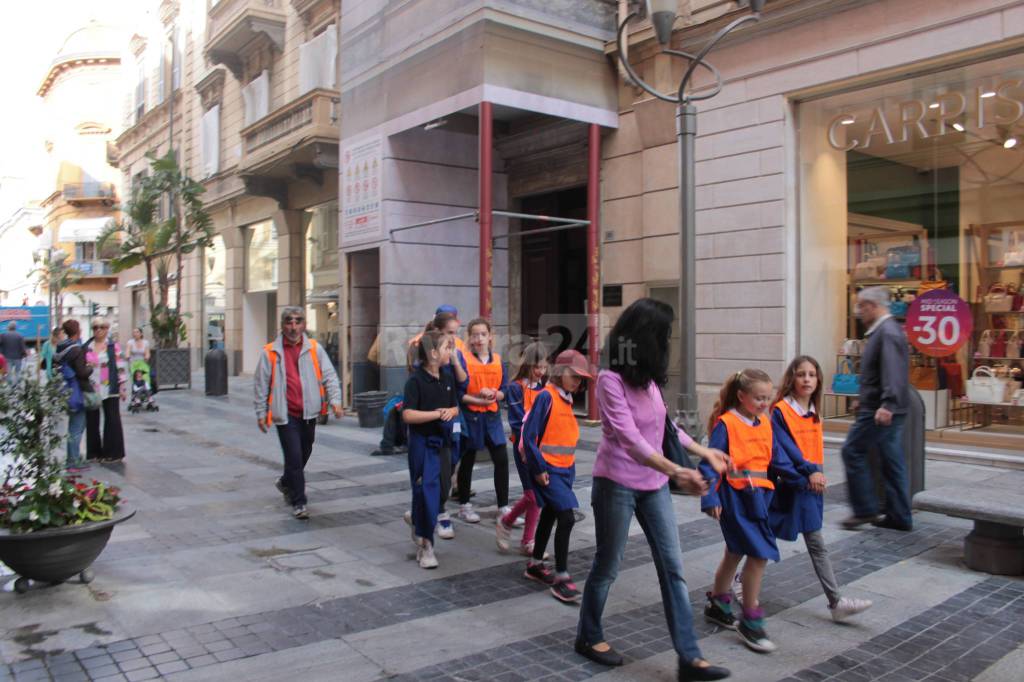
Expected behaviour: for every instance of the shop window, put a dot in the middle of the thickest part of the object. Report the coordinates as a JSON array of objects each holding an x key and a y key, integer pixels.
[
  {"x": 214, "y": 272},
  {"x": 915, "y": 185},
  {"x": 261, "y": 257}
]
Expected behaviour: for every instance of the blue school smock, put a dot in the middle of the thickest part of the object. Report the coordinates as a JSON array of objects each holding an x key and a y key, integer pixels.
[
  {"x": 514, "y": 401},
  {"x": 482, "y": 429},
  {"x": 744, "y": 534},
  {"x": 795, "y": 508},
  {"x": 558, "y": 493}
]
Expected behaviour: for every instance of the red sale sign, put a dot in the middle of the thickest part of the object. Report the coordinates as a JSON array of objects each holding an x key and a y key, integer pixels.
[{"x": 939, "y": 323}]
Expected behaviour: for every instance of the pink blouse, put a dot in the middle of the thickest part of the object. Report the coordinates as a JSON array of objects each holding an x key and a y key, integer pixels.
[{"x": 632, "y": 427}]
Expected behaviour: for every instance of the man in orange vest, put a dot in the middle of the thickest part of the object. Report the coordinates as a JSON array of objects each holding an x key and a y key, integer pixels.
[{"x": 294, "y": 384}]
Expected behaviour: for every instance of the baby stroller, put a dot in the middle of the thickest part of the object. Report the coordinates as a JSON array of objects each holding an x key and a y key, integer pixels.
[{"x": 142, "y": 393}]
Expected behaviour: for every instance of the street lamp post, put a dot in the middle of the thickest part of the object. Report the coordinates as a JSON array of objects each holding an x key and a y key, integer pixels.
[{"x": 663, "y": 16}]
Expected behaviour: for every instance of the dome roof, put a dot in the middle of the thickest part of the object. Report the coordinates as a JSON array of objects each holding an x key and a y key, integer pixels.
[{"x": 93, "y": 43}]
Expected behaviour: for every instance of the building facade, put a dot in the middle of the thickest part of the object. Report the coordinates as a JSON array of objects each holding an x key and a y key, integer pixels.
[{"x": 80, "y": 92}]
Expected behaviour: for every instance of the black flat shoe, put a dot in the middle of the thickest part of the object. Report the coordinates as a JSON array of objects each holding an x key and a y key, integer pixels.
[
  {"x": 855, "y": 522},
  {"x": 609, "y": 658},
  {"x": 689, "y": 671},
  {"x": 889, "y": 522}
]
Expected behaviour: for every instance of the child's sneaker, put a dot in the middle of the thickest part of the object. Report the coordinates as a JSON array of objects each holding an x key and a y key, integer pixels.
[
  {"x": 565, "y": 591},
  {"x": 718, "y": 610},
  {"x": 503, "y": 535},
  {"x": 751, "y": 630},
  {"x": 425, "y": 554},
  {"x": 540, "y": 573},
  {"x": 848, "y": 606},
  {"x": 505, "y": 511},
  {"x": 467, "y": 514},
  {"x": 445, "y": 528}
]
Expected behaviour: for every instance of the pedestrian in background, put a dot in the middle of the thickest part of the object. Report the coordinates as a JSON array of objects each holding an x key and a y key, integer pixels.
[
  {"x": 75, "y": 370},
  {"x": 108, "y": 379},
  {"x": 631, "y": 476},
  {"x": 294, "y": 384},
  {"x": 13, "y": 348},
  {"x": 881, "y": 412},
  {"x": 49, "y": 349}
]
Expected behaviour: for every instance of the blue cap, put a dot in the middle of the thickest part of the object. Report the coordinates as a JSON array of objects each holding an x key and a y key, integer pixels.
[{"x": 447, "y": 309}]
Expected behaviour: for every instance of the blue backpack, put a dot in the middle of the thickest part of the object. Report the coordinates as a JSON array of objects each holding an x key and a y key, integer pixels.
[{"x": 76, "y": 401}]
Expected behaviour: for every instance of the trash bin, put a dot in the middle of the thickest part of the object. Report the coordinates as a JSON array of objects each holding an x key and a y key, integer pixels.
[
  {"x": 913, "y": 450},
  {"x": 370, "y": 408},
  {"x": 216, "y": 372}
]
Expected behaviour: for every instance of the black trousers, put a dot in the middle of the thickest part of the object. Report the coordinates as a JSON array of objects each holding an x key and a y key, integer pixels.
[
  {"x": 111, "y": 444},
  {"x": 296, "y": 438}
]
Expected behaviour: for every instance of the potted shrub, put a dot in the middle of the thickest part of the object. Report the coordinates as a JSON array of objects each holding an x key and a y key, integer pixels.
[
  {"x": 146, "y": 236},
  {"x": 52, "y": 525}
]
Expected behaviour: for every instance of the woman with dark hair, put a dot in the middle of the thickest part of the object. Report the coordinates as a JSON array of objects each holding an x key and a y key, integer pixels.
[{"x": 631, "y": 478}]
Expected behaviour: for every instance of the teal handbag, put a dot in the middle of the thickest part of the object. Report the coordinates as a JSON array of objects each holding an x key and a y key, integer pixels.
[{"x": 846, "y": 381}]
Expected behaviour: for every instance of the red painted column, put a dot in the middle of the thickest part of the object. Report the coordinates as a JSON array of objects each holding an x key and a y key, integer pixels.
[
  {"x": 593, "y": 259},
  {"x": 486, "y": 206}
]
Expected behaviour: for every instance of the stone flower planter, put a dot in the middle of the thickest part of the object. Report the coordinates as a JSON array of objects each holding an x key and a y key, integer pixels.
[{"x": 57, "y": 554}]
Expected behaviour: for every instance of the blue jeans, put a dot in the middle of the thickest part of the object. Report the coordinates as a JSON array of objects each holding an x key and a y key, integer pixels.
[
  {"x": 14, "y": 370},
  {"x": 889, "y": 440},
  {"x": 76, "y": 427},
  {"x": 614, "y": 506}
]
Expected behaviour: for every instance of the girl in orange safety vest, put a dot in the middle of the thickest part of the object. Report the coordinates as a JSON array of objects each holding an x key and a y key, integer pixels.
[
  {"x": 799, "y": 509},
  {"x": 484, "y": 429},
  {"x": 527, "y": 383},
  {"x": 550, "y": 434},
  {"x": 740, "y": 426}
]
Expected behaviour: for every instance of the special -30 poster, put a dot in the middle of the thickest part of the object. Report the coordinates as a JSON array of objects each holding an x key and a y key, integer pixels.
[{"x": 362, "y": 165}]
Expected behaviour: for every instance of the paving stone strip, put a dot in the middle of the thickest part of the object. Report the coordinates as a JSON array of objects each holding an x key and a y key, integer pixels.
[
  {"x": 951, "y": 642},
  {"x": 256, "y": 634},
  {"x": 641, "y": 632}
]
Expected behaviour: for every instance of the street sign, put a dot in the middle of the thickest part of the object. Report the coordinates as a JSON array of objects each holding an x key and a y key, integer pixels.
[
  {"x": 33, "y": 320},
  {"x": 939, "y": 323}
]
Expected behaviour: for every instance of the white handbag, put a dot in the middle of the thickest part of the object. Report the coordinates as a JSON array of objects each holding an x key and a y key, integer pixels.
[
  {"x": 852, "y": 347},
  {"x": 984, "y": 345},
  {"x": 1013, "y": 345},
  {"x": 985, "y": 387}
]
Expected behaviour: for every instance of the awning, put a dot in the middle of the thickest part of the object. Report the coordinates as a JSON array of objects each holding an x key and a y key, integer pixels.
[{"x": 81, "y": 229}]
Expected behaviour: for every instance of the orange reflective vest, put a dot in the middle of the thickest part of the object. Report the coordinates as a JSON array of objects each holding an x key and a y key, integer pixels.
[
  {"x": 750, "y": 448},
  {"x": 483, "y": 376},
  {"x": 808, "y": 433},
  {"x": 558, "y": 444},
  {"x": 272, "y": 354}
]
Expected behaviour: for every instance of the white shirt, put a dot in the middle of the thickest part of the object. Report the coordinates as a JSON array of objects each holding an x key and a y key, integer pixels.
[
  {"x": 873, "y": 327},
  {"x": 797, "y": 407},
  {"x": 745, "y": 420}
]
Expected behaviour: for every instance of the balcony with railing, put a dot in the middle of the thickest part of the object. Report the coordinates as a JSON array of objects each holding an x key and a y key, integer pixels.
[
  {"x": 79, "y": 193},
  {"x": 297, "y": 139},
  {"x": 92, "y": 268},
  {"x": 233, "y": 26}
]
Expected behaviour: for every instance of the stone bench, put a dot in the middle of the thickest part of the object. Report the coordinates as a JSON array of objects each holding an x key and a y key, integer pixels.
[{"x": 996, "y": 545}]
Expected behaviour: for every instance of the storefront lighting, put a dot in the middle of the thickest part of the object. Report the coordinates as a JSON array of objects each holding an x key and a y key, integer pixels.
[
  {"x": 1010, "y": 143},
  {"x": 958, "y": 127},
  {"x": 988, "y": 94},
  {"x": 933, "y": 105},
  {"x": 848, "y": 121},
  {"x": 436, "y": 124}
]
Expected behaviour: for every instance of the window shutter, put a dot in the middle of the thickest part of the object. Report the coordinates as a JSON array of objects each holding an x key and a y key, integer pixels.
[
  {"x": 256, "y": 98},
  {"x": 210, "y": 141},
  {"x": 318, "y": 60},
  {"x": 177, "y": 55}
]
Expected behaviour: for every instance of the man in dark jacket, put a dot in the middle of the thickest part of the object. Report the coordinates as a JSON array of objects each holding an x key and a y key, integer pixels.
[
  {"x": 70, "y": 353},
  {"x": 881, "y": 412},
  {"x": 12, "y": 346}
]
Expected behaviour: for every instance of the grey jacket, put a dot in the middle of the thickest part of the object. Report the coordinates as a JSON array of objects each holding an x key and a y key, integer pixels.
[
  {"x": 885, "y": 369},
  {"x": 307, "y": 374}
]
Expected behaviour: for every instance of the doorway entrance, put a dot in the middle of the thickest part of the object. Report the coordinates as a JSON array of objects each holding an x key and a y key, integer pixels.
[{"x": 554, "y": 266}]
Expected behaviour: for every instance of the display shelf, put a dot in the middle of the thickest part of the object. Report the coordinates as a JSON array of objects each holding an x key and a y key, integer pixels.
[
  {"x": 1004, "y": 358},
  {"x": 1003, "y": 267},
  {"x": 913, "y": 282}
]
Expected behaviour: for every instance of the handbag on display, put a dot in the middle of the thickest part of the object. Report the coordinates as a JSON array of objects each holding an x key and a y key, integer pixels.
[
  {"x": 1017, "y": 398},
  {"x": 1013, "y": 344},
  {"x": 924, "y": 378},
  {"x": 985, "y": 387},
  {"x": 954, "y": 375},
  {"x": 846, "y": 381},
  {"x": 1015, "y": 257},
  {"x": 852, "y": 347},
  {"x": 998, "y": 298},
  {"x": 984, "y": 345},
  {"x": 998, "y": 345},
  {"x": 869, "y": 269},
  {"x": 898, "y": 308},
  {"x": 931, "y": 286}
]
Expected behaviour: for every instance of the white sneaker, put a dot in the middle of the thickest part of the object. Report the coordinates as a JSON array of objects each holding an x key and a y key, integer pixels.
[
  {"x": 467, "y": 514},
  {"x": 445, "y": 529},
  {"x": 505, "y": 511},
  {"x": 504, "y": 535},
  {"x": 848, "y": 606},
  {"x": 425, "y": 555},
  {"x": 737, "y": 589},
  {"x": 407, "y": 517}
]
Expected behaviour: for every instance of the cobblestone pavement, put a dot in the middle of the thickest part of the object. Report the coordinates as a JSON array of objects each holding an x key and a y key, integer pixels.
[{"x": 214, "y": 579}]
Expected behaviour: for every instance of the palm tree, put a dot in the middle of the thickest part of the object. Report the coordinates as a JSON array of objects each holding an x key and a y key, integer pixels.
[{"x": 145, "y": 236}]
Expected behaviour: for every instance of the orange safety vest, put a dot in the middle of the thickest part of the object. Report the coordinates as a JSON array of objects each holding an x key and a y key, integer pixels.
[
  {"x": 529, "y": 395},
  {"x": 808, "y": 433},
  {"x": 558, "y": 444},
  {"x": 750, "y": 448},
  {"x": 272, "y": 354},
  {"x": 483, "y": 376}
]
